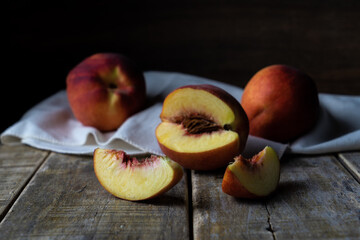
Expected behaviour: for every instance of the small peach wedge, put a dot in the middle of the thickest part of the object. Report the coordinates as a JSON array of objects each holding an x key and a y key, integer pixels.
[{"x": 256, "y": 177}]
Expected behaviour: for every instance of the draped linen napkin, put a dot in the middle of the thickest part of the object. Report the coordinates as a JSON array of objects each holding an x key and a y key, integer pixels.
[{"x": 50, "y": 125}]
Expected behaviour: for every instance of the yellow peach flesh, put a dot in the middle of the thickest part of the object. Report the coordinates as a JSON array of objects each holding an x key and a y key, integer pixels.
[
  {"x": 135, "y": 182},
  {"x": 175, "y": 137},
  {"x": 191, "y": 101},
  {"x": 263, "y": 177}
]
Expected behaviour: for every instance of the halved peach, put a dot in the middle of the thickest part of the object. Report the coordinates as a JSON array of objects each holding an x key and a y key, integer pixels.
[
  {"x": 133, "y": 179},
  {"x": 203, "y": 127},
  {"x": 256, "y": 177}
]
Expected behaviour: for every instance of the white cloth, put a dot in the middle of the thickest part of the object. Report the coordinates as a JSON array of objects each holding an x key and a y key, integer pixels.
[{"x": 50, "y": 125}]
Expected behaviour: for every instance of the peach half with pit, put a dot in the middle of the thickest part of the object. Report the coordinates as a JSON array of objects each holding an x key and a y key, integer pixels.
[
  {"x": 256, "y": 177},
  {"x": 202, "y": 127},
  {"x": 135, "y": 179}
]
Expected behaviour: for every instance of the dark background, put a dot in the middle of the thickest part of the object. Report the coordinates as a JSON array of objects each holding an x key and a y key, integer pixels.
[{"x": 223, "y": 40}]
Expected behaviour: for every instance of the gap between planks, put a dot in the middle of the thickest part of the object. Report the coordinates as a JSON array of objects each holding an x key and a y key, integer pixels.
[
  {"x": 90, "y": 212},
  {"x": 312, "y": 201},
  {"x": 189, "y": 203},
  {"x": 349, "y": 166},
  {"x": 21, "y": 189}
]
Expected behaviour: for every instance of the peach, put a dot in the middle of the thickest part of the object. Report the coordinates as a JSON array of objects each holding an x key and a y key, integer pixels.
[
  {"x": 281, "y": 103},
  {"x": 133, "y": 179},
  {"x": 203, "y": 127},
  {"x": 104, "y": 90},
  {"x": 256, "y": 177}
]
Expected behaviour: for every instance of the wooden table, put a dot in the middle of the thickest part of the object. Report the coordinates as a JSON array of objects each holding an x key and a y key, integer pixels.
[{"x": 57, "y": 196}]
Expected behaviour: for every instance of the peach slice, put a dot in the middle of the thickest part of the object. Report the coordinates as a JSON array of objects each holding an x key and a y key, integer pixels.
[
  {"x": 253, "y": 178},
  {"x": 203, "y": 127},
  {"x": 132, "y": 179}
]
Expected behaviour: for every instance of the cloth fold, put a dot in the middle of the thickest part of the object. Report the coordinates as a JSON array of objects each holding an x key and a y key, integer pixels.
[{"x": 50, "y": 125}]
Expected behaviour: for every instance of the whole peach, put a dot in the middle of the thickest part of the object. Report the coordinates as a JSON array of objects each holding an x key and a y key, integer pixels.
[
  {"x": 281, "y": 103},
  {"x": 104, "y": 90}
]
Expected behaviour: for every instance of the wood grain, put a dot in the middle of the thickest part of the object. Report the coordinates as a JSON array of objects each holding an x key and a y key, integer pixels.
[
  {"x": 317, "y": 199},
  {"x": 65, "y": 200},
  {"x": 351, "y": 162},
  {"x": 219, "y": 216},
  {"x": 17, "y": 165}
]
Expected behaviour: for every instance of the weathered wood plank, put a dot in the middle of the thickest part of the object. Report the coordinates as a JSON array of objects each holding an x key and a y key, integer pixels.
[
  {"x": 351, "y": 162},
  {"x": 65, "y": 200},
  {"x": 219, "y": 216},
  {"x": 17, "y": 165},
  {"x": 317, "y": 199}
]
